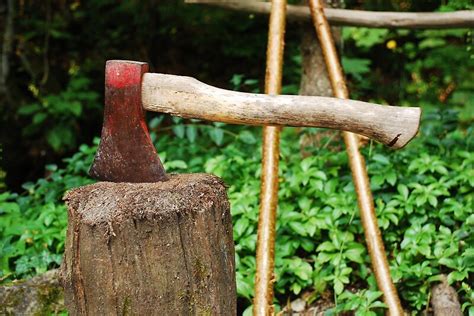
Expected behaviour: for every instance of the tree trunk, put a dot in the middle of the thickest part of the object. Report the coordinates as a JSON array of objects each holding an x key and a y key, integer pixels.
[
  {"x": 314, "y": 75},
  {"x": 162, "y": 248},
  {"x": 314, "y": 82}
]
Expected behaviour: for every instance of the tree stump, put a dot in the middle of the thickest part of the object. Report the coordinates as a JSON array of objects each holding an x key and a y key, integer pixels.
[{"x": 161, "y": 248}]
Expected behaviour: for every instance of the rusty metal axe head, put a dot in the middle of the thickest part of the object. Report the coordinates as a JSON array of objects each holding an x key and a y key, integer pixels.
[{"x": 125, "y": 153}]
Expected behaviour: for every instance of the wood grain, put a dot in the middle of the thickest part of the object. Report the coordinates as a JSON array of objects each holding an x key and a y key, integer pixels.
[
  {"x": 163, "y": 248},
  {"x": 408, "y": 20},
  {"x": 190, "y": 98}
]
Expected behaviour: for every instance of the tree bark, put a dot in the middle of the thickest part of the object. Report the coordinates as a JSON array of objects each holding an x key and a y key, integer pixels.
[
  {"x": 314, "y": 74},
  {"x": 162, "y": 248},
  {"x": 314, "y": 82}
]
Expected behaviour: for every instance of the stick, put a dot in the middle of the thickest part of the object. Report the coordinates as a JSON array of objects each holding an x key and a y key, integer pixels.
[
  {"x": 357, "y": 165},
  {"x": 264, "y": 277},
  {"x": 408, "y": 20},
  {"x": 187, "y": 97}
]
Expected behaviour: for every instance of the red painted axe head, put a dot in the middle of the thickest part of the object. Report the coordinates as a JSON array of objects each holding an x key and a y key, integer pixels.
[{"x": 125, "y": 153}]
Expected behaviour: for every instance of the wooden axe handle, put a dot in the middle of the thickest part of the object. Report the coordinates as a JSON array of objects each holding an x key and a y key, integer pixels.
[{"x": 189, "y": 98}]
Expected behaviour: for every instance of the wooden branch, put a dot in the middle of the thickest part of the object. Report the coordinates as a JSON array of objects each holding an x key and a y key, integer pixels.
[
  {"x": 409, "y": 20},
  {"x": 357, "y": 165},
  {"x": 190, "y": 98},
  {"x": 269, "y": 179}
]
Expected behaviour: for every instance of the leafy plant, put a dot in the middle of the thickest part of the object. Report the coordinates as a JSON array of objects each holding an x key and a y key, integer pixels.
[
  {"x": 364, "y": 302},
  {"x": 33, "y": 224},
  {"x": 424, "y": 206},
  {"x": 57, "y": 115}
]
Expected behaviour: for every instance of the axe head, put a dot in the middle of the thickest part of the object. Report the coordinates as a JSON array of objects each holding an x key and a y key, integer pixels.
[{"x": 125, "y": 153}]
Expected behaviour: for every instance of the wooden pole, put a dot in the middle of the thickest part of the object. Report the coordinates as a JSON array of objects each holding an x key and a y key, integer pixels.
[
  {"x": 357, "y": 165},
  {"x": 342, "y": 17},
  {"x": 264, "y": 278},
  {"x": 163, "y": 248}
]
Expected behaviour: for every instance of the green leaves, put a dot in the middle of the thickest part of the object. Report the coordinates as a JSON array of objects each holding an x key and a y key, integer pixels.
[
  {"x": 175, "y": 165},
  {"x": 423, "y": 201},
  {"x": 54, "y": 117},
  {"x": 363, "y": 303},
  {"x": 179, "y": 130},
  {"x": 217, "y": 135},
  {"x": 247, "y": 137},
  {"x": 239, "y": 82},
  {"x": 365, "y": 37},
  {"x": 240, "y": 227},
  {"x": 356, "y": 67},
  {"x": 428, "y": 163},
  {"x": 33, "y": 225},
  {"x": 193, "y": 129}
]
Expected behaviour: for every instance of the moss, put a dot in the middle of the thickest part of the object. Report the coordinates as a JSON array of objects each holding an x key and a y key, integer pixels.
[
  {"x": 127, "y": 307},
  {"x": 50, "y": 299},
  {"x": 13, "y": 299},
  {"x": 41, "y": 295},
  {"x": 200, "y": 271},
  {"x": 205, "y": 312}
]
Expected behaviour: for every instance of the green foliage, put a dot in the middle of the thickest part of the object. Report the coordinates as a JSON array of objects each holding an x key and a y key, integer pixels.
[
  {"x": 356, "y": 67},
  {"x": 437, "y": 66},
  {"x": 364, "y": 303},
  {"x": 54, "y": 117},
  {"x": 452, "y": 5},
  {"x": 424, "y": 205},
  {"x": 424, "y": 197},
  {"x": 365, "y": 37},
  {"x": 33, "y": 224}
]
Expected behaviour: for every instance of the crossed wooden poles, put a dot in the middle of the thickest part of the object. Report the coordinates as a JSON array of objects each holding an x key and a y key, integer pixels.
[
  {"x": 278, "y": 10},
  {"x": 269, "y": 187}
]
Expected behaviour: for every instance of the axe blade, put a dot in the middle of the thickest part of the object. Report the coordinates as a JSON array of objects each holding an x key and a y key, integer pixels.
[{"x": 125, "y": 153}]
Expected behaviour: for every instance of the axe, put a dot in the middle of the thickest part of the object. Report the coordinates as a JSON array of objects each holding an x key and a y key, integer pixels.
[{"x": 126, "y": 153}]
